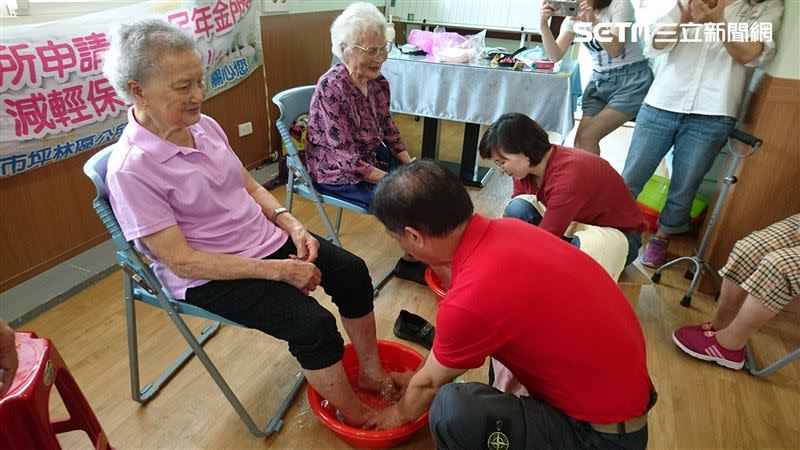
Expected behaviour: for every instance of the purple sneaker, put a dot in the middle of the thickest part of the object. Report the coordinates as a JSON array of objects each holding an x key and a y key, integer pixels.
[
  {"x": 702, "y": 344},
  {"x": 655, "y": 252}
]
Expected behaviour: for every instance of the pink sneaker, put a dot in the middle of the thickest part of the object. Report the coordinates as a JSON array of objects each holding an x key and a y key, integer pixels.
[
  {"x": 655, "y": 252},
  {"x": 702, "y": 327},
  {"x": 707, "y": 327},
  {"x": 702, "y": 344}
]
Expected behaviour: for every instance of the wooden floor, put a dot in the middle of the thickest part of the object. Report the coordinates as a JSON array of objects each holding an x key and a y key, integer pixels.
[{"x": 700, "y": 405}]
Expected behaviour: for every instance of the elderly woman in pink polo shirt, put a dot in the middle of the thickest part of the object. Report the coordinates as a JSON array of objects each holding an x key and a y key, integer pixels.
[
  {"x": 352, "y": 141},
  {"x": 218, "y": 239}
]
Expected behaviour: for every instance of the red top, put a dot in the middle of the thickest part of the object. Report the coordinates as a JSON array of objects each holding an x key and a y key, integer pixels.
[
  {"x": 550, "y": 314},
  {"x": 583, "y": 187}
]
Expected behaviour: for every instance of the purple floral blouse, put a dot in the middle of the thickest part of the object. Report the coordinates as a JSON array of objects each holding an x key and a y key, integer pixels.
[{"x": 345, "y": 128}]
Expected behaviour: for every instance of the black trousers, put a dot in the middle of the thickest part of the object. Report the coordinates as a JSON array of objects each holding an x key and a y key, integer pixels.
[
  {"x": 281, "y": 310},
  {"x": 474, "y": 415}
]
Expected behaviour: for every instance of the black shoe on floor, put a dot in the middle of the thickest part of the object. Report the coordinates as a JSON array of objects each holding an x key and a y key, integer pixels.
[
  {"x": 414, "y": 328},
  {"x": 410, "y": 270}
]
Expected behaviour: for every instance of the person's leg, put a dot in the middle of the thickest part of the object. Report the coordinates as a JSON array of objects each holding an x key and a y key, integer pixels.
[
  {"x": 346, "y": 279},
  {"x": 470, "y": 415},
  {"x": 634, "y": 244},
  {"x": 524, "y": 210},
  {"x": 770, "y": 288},
  {"x": 592, "y": 129},
  {"x": 359, "y": 194},
  {"x": 752, "y": 316},
  {"x": 743, "y": 261},
  {"x": 592, "y": 102},
  {"x": 731, "y": 298},
  {"x": 623, "y": 90},
  {"x": 697, "y": 144},
  {"x": 362, "y": 334},
  {"x": 282, "y": 311},
  {"x": 653, "y": 136}
]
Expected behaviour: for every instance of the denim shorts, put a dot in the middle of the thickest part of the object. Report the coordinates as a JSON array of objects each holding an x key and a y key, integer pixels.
[{"x": 622, "y": 89}]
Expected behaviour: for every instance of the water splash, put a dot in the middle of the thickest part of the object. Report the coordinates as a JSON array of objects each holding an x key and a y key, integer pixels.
[{"x": 305, "y": 417}]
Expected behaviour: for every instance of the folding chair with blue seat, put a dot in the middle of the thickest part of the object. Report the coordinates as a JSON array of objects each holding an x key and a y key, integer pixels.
[
  {"x": 141, "y": 284},
  {"x": 293, "y": 103}
]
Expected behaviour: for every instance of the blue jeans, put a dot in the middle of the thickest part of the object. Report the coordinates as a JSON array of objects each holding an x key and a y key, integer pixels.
[
  {"x": 524, "y": 210},
  {"x": 697, "y": 139}
]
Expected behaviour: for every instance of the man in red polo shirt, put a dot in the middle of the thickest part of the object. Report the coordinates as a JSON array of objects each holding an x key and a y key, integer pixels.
[
  {"x": 574, "y": 185},
  {"x": 537, "y": 304}
]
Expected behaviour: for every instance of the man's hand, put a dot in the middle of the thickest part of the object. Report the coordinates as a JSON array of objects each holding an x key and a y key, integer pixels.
[
  {"x": 303, "y": 275},
  {"x": 307, "y": 245},
  {"x": 8, "y": 358},
  {"x": 401, "y": 381}
]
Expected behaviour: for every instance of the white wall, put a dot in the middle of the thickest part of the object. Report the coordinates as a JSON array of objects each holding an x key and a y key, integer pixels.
[
  {"x": 305, "y": 6},
  {"x": 49, "y": 11},
  {"x": 787, "y": 61}
]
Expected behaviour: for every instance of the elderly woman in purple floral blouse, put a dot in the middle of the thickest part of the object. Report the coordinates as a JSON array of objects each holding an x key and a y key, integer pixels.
[{"x": 352, "y": 141}]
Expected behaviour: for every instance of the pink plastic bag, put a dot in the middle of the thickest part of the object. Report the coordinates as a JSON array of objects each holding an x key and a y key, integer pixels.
[
  {"x": 452, "y": 47},
  {"x": 422, "y": 39},
  {"x": 447, "y": 46}
]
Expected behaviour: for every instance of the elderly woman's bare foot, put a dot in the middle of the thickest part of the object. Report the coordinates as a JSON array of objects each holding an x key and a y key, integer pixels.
[
  {"x": 381, "y": 383},
  {"x": 366, "y": 418}
]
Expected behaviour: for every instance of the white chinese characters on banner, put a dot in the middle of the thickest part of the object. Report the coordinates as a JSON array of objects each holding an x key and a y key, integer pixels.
[{"x": 55, "y": 101}]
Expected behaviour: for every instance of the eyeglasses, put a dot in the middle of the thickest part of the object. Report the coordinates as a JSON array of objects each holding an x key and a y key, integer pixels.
[{"x": 373, "y": 52}]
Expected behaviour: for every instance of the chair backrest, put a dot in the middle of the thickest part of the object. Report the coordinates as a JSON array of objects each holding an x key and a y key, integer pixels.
[
  {"x": 128, "y": 258},
  {"x": 96, "y": 168},
  {"x": 292, "y": 103}
]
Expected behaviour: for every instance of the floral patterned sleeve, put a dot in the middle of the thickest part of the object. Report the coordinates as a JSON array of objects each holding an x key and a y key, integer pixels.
[
  {"x": 334, "y": 154},
  {"x": 391, "y": 135}
]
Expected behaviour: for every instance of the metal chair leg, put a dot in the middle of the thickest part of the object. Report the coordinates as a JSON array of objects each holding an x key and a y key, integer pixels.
[
  {"x": 333, "y": 236},
  {"x": 339, "y": 219},
  {"x": 145, "y": 394},
  {"x": 777, "y": 364},
  {"x": 274, "y": 423},
  {"x": 289, "y": 190},
  {"x": 376, "y": 287}
]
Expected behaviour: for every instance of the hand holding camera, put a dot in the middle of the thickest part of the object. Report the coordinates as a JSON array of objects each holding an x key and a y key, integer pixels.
[{"x": 552, "y": 8}]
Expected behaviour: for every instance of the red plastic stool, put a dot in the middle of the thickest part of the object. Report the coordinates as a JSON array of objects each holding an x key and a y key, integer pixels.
[{"x": 24, "y": 410}]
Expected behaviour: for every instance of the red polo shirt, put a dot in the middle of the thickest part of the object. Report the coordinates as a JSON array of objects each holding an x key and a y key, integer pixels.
[
  {"x": 580, "y": 186},
  {"x": 549, "y": 313}
]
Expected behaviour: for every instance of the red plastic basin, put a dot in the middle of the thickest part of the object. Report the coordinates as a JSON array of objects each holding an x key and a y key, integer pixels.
[
  {"x": 394, "y": 358},
  {"x": 435, "y": 284}
]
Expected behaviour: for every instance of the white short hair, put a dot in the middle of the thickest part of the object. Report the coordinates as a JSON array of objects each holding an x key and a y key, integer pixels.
[
  {"x": 136, "y": 50},
  {"x": 358, "y": 20}
]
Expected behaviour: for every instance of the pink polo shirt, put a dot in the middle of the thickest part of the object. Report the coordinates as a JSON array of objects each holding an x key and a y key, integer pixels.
[{"x": 154, "y": 184}]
